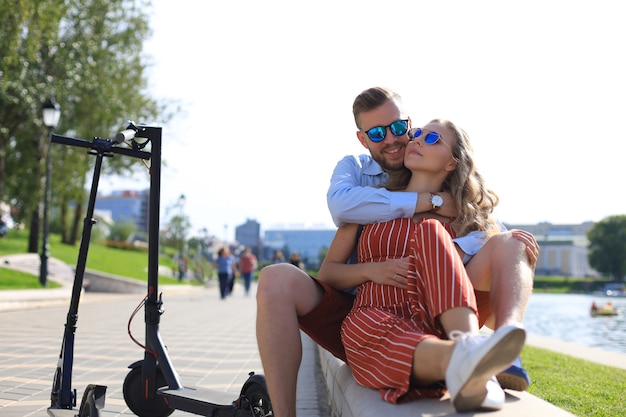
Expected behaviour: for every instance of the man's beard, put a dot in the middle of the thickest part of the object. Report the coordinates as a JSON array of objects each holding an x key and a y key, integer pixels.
[{"x": 391, "y": 167}]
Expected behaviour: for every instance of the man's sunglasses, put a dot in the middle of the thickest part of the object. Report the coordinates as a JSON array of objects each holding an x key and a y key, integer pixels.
[
  {"x": 431, "y": 137},
  {"x": 378, "y": 133}
]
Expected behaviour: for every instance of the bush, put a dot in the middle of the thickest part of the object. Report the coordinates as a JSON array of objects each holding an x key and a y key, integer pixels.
[{"x": 136, "y": 246}]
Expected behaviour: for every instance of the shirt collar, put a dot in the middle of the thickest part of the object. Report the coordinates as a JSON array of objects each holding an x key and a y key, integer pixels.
[{"x": 371, "y": 167}]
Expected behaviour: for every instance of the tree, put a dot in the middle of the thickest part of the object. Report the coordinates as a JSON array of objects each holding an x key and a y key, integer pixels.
[
  {"x": 175, "y": 234},
  {"x": 87, "y": 54},
  {"x": 27, "y": 28},
  {"x": 607, "y": 246},
  {"x": 122, "y": 230}
]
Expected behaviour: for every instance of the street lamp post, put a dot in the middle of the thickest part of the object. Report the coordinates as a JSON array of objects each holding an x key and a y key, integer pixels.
[
  {"x": 51, "y": 114},
  {"x": 182, "y": 266}
]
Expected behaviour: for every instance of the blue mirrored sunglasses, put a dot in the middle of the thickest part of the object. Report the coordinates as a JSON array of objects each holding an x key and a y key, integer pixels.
[
  {"x": 378, "y": 133},
  {"x": 431, "y": 137}
]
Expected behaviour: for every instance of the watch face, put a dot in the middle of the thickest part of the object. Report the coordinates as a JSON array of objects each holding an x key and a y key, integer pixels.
[{"x": 436, "y": 200}]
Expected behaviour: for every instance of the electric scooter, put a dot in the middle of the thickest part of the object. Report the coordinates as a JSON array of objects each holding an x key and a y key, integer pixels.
[{"x": 152, "y": 388}]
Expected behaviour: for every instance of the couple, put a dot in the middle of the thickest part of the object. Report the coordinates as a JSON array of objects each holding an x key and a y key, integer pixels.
[{"x": 401, "y": 284}]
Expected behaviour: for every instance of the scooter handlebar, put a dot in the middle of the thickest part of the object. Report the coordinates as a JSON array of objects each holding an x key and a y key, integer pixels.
[{"x": 103, "y": 145}]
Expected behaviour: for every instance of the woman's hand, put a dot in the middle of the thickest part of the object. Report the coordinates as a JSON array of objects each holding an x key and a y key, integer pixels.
[
  {"x": 532, "y": 247},
  {"x": 392, "y": 272}
]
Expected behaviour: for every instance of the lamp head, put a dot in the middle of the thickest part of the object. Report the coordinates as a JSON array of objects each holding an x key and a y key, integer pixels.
[{"x": 51, "y": 113}]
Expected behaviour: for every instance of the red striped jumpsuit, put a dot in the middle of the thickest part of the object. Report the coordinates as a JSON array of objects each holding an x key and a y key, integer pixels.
[{"x": 386, "y": 323}]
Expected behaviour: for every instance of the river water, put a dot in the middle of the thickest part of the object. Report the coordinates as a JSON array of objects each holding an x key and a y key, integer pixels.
[{"x": 566, "y": 317}]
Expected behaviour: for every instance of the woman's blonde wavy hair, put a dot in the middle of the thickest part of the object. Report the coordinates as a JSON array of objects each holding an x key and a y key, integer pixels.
[{"x": 473, "y": 200}]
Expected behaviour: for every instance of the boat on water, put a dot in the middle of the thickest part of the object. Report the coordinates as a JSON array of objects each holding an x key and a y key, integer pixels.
[
  {"x": 614, "y": 289},
  {"x": 606, "y": 310}
]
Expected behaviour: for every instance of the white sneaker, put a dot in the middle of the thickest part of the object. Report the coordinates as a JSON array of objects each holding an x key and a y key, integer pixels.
[
  {"x": 495, "y": 396},
  {"x": 475, "y": 360}
]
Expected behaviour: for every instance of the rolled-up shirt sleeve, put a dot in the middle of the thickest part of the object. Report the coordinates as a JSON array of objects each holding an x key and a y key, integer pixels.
[
  {"x": 354, "y": 195},
  {"x": 472, "y": 242}
]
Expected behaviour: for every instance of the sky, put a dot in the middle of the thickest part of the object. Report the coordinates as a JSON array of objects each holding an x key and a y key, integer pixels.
[{"x": 266, "y": 88}]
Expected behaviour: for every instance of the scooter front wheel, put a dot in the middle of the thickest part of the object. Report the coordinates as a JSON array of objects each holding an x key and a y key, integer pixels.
[
  {"x": 255, "y": 398},
  {"x": 134, "y": 395}
]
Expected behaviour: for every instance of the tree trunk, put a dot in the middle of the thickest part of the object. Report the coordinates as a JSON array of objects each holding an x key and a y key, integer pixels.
[
  {"x": 33, "y": 238},
  {"x": 63, "y": 219},
  {"x": 78, "y": 212}
]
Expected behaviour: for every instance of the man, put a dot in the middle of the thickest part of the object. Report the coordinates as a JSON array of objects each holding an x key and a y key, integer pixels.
[
  {"x": 247, "y": 265},
  {"x": 289, "y": 300}
]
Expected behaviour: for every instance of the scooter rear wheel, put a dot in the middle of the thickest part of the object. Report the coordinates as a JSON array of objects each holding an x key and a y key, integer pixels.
[{"x": 133, "y": 390}]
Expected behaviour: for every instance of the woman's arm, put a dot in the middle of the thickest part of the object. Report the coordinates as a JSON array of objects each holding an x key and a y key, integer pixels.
[{"x": 336, "y": 273}]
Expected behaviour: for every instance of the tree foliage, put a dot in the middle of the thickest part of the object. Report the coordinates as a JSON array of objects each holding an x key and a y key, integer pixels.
[
  {"x": 607, "y": 246},
  {"x": 122, "y": 230},
  {"x": 87, "y": 54},
  {"x": 176, "y": 232}
]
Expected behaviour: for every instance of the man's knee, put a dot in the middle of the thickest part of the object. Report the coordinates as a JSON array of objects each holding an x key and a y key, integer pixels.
[
  {"x": 506, "y": 245},
  {"x": 269, "y": 286},
  {"x": 279, "y": 282}
]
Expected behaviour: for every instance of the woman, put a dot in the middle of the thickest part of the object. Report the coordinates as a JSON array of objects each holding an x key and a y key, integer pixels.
[
  {"x": 404, "y": 341},
  {"x": 226, "y": 265}
]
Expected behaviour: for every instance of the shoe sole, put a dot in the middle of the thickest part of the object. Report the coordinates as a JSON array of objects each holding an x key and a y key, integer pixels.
[
  {"x": 499, "y": 358},
  {"x": 512, "y": 382}
]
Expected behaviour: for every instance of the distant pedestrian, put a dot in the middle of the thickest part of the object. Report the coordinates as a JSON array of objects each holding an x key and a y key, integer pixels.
[
  {"x": 182, "y": 268},
  {"x": 226, "y": 265},
  {"x": 247, "y": 265},
  {"x": 278, "y": 257},
  {"x": 3, "y": 228},
  {"x": 295, "y": 260}
]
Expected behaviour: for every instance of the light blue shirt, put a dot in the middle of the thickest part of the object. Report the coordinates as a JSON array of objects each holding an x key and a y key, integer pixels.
[
  {"x": 225, "y": 264},
  {"x": 353, "y": 198}
]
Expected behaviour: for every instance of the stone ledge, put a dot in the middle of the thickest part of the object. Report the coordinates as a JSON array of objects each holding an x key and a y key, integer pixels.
[
  {"x": 96, "y": 281},
  {"x": 349, "y": 399}
]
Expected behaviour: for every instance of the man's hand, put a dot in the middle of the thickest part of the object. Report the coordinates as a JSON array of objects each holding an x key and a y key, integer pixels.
[
  {"x": 532, "y": 248},
  {"x": 392, "y": 272}
]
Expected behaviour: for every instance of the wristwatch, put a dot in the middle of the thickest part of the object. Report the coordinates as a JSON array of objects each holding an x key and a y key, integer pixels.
[{"x": 436, "y": 201}]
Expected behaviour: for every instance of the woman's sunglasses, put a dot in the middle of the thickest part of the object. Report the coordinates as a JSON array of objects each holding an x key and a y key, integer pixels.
[
  {"x": 378, "y": 133},
  {"x": 431, "y": 137}
]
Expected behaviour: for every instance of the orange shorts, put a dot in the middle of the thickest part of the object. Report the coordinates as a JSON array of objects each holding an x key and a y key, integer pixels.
[
  {"x": 482, "y": 304},
  {"x": 323, "y": 324}
]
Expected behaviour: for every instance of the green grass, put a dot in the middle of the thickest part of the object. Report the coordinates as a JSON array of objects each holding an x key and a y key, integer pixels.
[
  {"x": 125, "y": 263},
  {"x": 14, "y": 242},
  {"x": 583, "y": 388},
  {"x": 12, "y": 279},
  {"x": 566, "y": 285}
]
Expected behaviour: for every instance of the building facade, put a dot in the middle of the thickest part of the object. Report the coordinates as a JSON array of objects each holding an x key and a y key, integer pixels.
[
  {"x": 249, "y": 235},
  {"x": 125, "y": 206},
  {"x": 564, "y": 248},
  {"x": 309, "y": 243}
]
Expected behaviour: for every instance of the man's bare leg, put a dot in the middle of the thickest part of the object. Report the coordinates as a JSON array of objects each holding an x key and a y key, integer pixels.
[
  {"x": 284, "y": 292},
  {"x": 503, "y": 268}
]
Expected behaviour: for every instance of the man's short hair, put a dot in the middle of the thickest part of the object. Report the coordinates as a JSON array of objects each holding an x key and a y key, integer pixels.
[{"x": 372, "y": 98}]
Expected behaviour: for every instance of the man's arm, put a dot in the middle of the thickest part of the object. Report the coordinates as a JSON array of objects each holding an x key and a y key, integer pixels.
[{"x": 354, "y": 195}]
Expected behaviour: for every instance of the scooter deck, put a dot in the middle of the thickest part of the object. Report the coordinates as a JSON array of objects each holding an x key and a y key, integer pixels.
[
  {"x": 62, "y": 412},
  {"x": 201, "y": 401}
]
